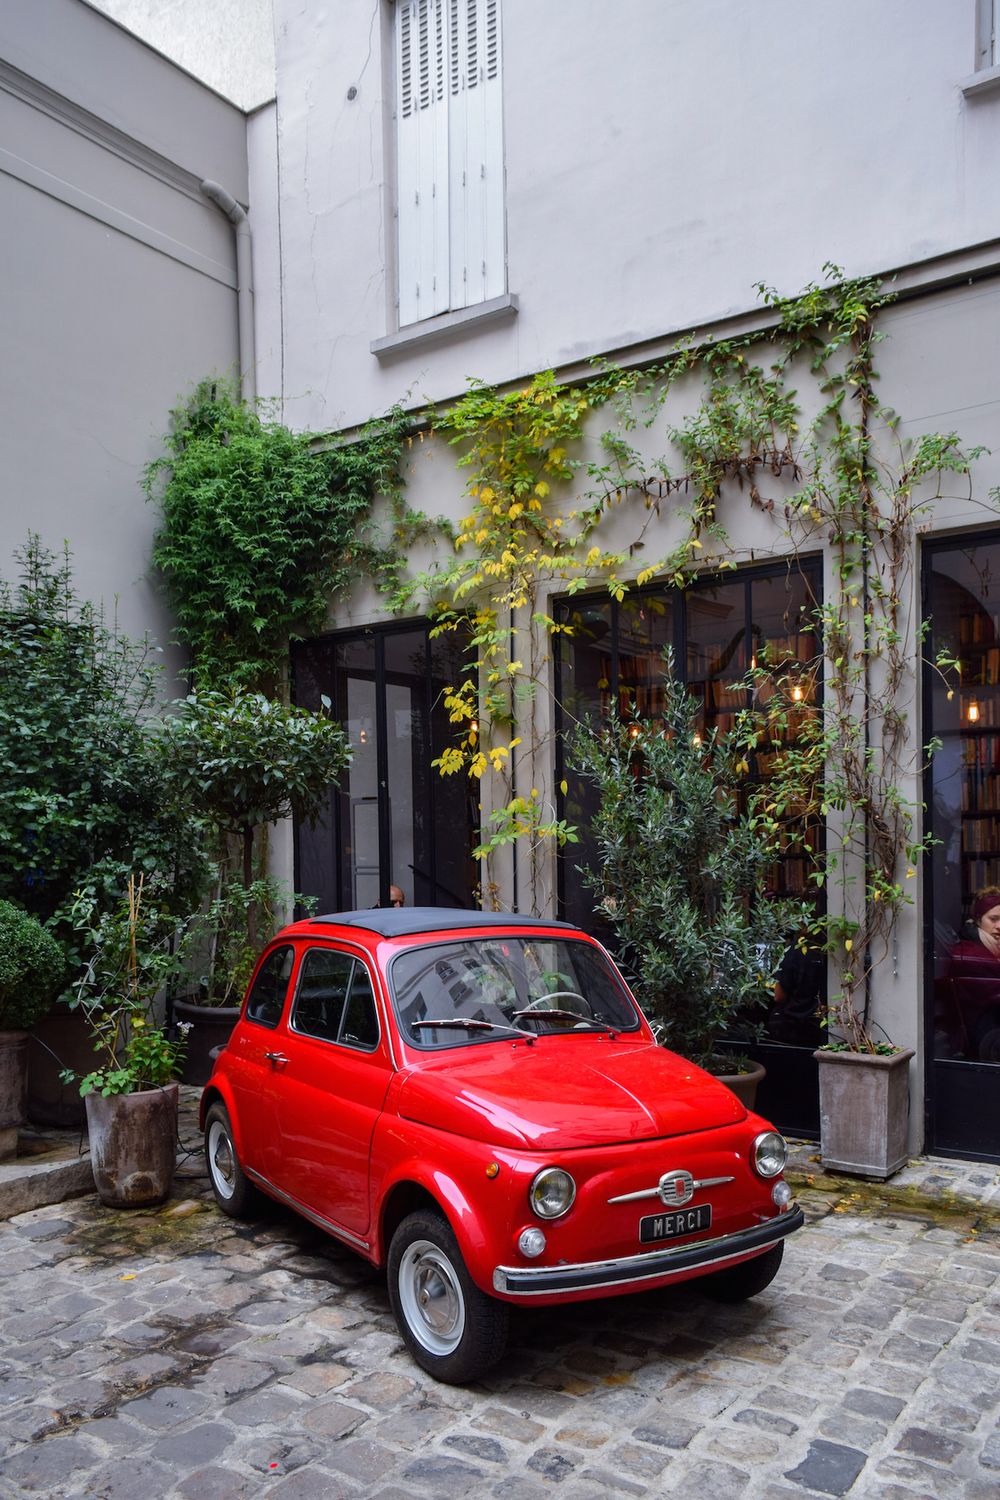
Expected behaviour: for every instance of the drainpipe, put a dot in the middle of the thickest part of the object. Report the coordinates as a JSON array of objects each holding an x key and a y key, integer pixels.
[{"x": 244, "y": 285}]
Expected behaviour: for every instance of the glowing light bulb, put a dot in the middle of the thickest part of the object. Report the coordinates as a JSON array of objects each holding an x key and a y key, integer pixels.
[
  {"x": 973, "y": 712},
  {"x": 797, "y": 693}
]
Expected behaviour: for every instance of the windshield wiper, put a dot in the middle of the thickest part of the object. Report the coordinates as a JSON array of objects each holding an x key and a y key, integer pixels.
[
  {"x": 564, "y": 1015},
  {"x": 470, "y": 1024}
]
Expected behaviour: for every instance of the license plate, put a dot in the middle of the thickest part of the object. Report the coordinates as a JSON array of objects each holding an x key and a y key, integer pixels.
[{"x": 671, "y": 1225}]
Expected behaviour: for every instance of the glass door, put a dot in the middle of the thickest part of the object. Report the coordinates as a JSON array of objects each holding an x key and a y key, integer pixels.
[
  {"x": 393, "y": 820},
  {"x": 962, "y": 601}
]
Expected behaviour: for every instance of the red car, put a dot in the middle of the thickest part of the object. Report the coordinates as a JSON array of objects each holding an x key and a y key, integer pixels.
[{"x": 476, "y": 1102}]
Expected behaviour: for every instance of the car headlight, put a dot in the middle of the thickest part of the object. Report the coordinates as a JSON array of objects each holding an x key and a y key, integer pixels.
[
  {"x": 769, "y": 1154},
  {"x": 551, "y": 1193}
]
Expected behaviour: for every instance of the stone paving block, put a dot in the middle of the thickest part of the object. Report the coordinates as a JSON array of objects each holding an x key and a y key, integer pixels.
[
  {"x": 769, "y": 1421},
  {"x": 310, "y": 1484},
  {"x": 442, "y": 1475},
  {"x": 167, "y": 1407},
  {"x": 216, "y": 1483},
  {"x": 923, "y": 1442},
  {"x": 830, "y": 1468},
  {"x": 271, "y": 1404},
  {"x": 607, "y": 1482},
  {"x": 516, "y": 1425},
  {"x": 875, "y": 1404},
  {"x": 47, "y": 1467},
  {"x": 195, "y": 1446},
  {"x": 333, "y": 1419},
  {"x": 486, "y": 1450},
  {"x": 316, "y": 1379},
  {"x": 232, "y": 1376},
  {"x": 640, "y": 1461}
]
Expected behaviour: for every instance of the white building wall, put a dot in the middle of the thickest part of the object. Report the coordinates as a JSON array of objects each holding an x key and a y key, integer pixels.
[{"x": 662, "y": 157}]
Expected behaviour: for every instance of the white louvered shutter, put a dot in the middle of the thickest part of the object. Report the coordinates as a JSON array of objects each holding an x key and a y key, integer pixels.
[
  {"x": 422, "y": 153},
  {"x": 475, "y": 145}
]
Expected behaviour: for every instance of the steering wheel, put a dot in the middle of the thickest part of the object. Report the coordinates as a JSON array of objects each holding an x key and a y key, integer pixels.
[{"x": 543, "y": 1002}]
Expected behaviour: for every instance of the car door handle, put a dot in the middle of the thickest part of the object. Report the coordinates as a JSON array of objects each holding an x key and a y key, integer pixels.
[{"x": 277, "y": 1058}]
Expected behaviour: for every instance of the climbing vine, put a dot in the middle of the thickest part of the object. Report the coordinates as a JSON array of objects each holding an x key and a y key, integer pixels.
[{"x": 832, "y": 469}]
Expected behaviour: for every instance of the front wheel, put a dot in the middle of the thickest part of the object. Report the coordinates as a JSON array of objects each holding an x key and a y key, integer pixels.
[
  {"x": 234, "y": 1194},
  {"x": 452, "y": 1329},
  {"x": 746, "y": 1279}
]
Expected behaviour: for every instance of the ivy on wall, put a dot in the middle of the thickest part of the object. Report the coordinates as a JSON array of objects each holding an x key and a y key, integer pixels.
[
  {"x": 261, "y": 530},
  {"x": 840, "y": 477}
]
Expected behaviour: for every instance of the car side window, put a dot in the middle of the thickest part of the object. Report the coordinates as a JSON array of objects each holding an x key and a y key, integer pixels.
[
  {"x": 334, "y": 1000},
  {"x": 360, "y": 1025},
  {"x": 324, "y": 980},
  {"x": 267, "y": 995}
]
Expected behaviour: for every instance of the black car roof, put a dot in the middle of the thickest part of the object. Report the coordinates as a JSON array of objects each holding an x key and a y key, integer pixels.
[{"x": 408, "y": 921}]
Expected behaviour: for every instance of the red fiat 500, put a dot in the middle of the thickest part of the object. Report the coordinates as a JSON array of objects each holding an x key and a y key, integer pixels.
[{"x": 476, "y": 1102}]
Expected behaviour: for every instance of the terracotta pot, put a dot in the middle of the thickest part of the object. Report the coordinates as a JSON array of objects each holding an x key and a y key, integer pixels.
[
  {"x": 133, "y": 1146},
  {"x": 864, "y": 1111},
  {"x": 62, "y": 1039},
  {"x": 13, "y": 1089},
  {"x": 744, "y": 1085},
  {"x": 211, "y": 1026}
]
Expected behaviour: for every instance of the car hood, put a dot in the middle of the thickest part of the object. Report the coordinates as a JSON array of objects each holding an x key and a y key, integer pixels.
[{"x": 564, "y": 1093}]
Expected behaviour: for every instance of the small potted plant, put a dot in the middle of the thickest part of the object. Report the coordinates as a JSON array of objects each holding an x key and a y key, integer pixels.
[
  {"x": 32, "y": 965},
  {"x": 681, "y": 877},
  {"x": 131, "y": 1097}
]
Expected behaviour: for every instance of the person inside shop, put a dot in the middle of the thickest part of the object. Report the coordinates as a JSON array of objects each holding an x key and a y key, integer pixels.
[
  {"x": 396, "y": 897},
  {"x": 968, "y": 997},
  {"x": 799, "y": 996}
]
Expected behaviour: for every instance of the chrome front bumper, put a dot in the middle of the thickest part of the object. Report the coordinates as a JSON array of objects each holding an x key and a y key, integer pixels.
[{"x": 534, "y": 1281}]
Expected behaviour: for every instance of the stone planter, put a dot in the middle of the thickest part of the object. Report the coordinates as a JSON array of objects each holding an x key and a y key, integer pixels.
[
  {"x": 62, "y": 1039},
  {"x": 211, "y": 1026},
  {"x": 133, "y": 1146},
  {"x": 13, "y": 1089},
  {"x": 864, "y": 1109},
  {"x": 744, "y": 1085}
]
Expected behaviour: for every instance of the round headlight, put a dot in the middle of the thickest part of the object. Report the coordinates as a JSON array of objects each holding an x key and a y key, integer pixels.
[
  {"x": 769, "y": 1154},
  {"x": 551, "y": 1193}
]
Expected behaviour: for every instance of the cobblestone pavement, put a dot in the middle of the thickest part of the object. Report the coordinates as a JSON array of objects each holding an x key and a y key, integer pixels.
[{"x": 171, "y": 1353}]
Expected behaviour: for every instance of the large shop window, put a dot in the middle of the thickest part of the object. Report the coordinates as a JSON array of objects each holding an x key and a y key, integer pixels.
[
  {"x": 449, "y": 156},
  {"x": 716, "y": 630},
  {"x": 962, "y": 601}
]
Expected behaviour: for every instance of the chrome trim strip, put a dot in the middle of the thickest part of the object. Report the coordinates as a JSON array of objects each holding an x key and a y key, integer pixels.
[
  {"x": 702, "y": 1182},
  {"x": 536, "y": 1281},
  {"x": 354, "y": 1240}
]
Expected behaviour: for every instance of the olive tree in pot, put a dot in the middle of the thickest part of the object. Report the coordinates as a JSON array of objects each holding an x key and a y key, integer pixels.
[
  {"x": 243, "y": 761},
  {"x": 32, "y": 967},
  {"x": 131, "y": 1097},
  {"x": 681, "y": 876}
]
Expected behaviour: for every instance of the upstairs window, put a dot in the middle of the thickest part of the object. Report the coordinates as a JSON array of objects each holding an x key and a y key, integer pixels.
[{"x": 449, "y": 152}]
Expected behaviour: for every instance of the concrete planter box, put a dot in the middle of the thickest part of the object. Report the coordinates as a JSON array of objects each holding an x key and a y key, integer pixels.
[{"x": 864, "y": 1110}]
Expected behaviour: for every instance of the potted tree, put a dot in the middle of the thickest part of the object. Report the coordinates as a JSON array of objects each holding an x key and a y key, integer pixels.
[
  {"x": 31, "y": 970},
  {"x": 681, "y": 877},
  {"x": 242, "y": 761},
  {"x": 131, "y": 1096}
]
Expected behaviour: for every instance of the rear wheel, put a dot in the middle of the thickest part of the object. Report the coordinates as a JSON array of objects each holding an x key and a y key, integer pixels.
[
  {"x": 234, "y": 1194},
  {"x": 746, "y": 1279},
  {"x": 453, "y": 1330}
]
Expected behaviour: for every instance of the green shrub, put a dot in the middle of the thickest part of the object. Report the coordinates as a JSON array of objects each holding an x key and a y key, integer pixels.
[
  {"x": 32, "y": 967},
  {"x": 85, "y": 799},
  {"x": 681, "y": 872}
]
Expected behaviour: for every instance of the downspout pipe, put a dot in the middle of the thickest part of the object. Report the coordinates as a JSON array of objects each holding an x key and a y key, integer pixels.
[{"x": 244, "y": 285}]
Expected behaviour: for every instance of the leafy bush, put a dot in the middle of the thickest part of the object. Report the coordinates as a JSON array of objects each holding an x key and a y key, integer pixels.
[
  {"x": 261, "y": 529},
  {"x": 31, "y": 968},
  {"x": 85, "y": 796},
  {"x": 681, "y": 872}
]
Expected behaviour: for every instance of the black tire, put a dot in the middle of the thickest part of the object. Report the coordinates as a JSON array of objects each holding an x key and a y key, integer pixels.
[
  {"x": 744, "y": 1280},
  {"x": 234, "y": 1194},
  {"x": 453, "y": 1330}
]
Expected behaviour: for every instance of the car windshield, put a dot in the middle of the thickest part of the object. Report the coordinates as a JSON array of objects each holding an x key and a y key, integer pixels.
[{"x": 492, "y": 988}]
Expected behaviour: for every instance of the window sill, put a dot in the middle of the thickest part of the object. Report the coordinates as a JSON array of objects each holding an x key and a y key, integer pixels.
[
  {"x": 446, "y": 327},
  {"x": 986, "y": 81}
]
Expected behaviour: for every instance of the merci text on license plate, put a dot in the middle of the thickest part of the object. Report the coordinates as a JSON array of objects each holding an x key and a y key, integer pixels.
[{"x": 672, "y": 1225}]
